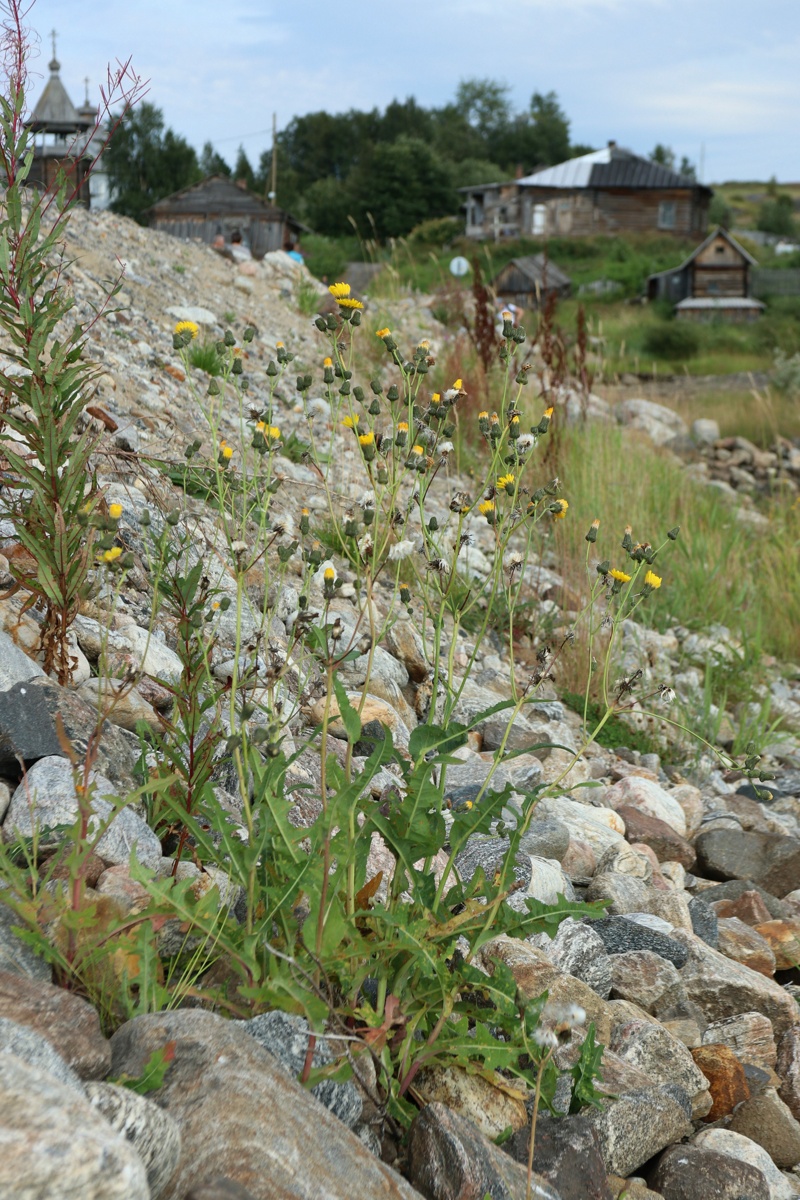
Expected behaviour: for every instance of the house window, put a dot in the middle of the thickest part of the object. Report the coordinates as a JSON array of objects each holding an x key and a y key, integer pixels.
[
  {"x": 539, "y": 219},
  {"x": 666, "y": 214}
]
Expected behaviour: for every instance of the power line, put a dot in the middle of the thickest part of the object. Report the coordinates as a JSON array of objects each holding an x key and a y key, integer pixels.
[{"x": 237, "y": 137}]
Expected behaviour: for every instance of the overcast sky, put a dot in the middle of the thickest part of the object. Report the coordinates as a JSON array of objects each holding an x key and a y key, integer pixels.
[{"x": 717, "y": 78}]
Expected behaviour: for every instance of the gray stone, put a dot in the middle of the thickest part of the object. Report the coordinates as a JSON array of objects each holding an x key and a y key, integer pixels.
[
  {"x": 488, "y": 853},
  {"x": 47, "y": 800},
  {"x": 28, "y": 714},
  {"x": 449, "y": 1159},
  {"x": 546, "y": 838},
  {"x": 566, "y": 1152},
  {"x": 577, "y": 950},
  {"x": 788, "y": 1067},
  {"x": 664, "y": 1059},
  {"x": 56, "y": 1145},
  {"x": 705, "y": 431},
  {"x": 34, "y": 1049},
  {"x": 242, "y": 1116},
  {"x": 639, "y": 1124},
  {"x": 766, "y": 1120},
  {"x": 188, "y": 312},
  {"x": 286, "y": 1036},
  {"x": 150, "y": 1130},
  {"x": 626, "y": 893},
  {"x": 734, "y": 1145},
  {"x": 620, "y": 935},
  {"x": 649, "y": 981},
  {"x": 724, "y": 988},
  {"x": 15, "y": 956},
  {"x": 704, "y": 922},
  {"x": 15, "y": 666},
  {"x": 694, "y": 1173},
  {"x": 66, "y": 1020},
  {"x": 769, "y": 859},
  {"x": 734, "y": 888},
  {"x": 220, "y": 1188}
]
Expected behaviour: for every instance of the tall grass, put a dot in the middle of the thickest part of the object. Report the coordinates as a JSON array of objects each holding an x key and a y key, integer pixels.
[{"x": 743, "y": 577}]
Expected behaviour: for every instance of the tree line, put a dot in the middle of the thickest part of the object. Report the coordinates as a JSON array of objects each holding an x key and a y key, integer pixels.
[{"x": 386, "y": 170}]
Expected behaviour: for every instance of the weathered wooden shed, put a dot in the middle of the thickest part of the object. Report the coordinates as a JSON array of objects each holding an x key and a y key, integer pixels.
[
  {"x": 217, "y": 207},
  {"x": 714, "y": 280},
  {"x": 529, "y": 280},
  {"x": 608, "y": 191}
]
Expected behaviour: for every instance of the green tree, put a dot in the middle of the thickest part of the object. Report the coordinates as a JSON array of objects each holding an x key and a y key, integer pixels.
[
  {"x": 484, "y": 105},
  {"x": 550, "y": 127},
  {"x": 469, "y": 171},
  {"x": 327, "y": 205},
  {"x": 404, "y": 184},
  {"x": 212, "y": 162},
  {"x": 664, "y": 155},
  {"x": 776, "y": 214},
  {"x": 242, "y": 169},
  {"x": 687, "y": 169},
  {"x": 719, "y": 212},
  {"x": 145, "y": 162}
]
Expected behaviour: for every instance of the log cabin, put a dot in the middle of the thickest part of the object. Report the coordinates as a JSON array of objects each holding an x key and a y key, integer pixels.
[
  {"x": 609, "y": 191},
  {"x": 714, "y": 281},
  {"x": 219, "y": 207}
]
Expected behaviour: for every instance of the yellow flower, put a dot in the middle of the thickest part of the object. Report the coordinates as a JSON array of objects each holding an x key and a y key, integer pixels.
[
  {"x": 345, "y": 302},
  {"x": 548, "y": 412},
  {"x": 112, "y": 555},
  {"x": 505, "y": 481},
  {"x": 507, "y": 315},
  {"x": 457, "y": 386},
  {"x": 187, "y": 327},
  {"x": 652, "y": 580},
  {"x": 418, "y": 450},
  {"x": 382, "y": 333},
  {"x": 350, "y": 422},
  {"x": 273, "y": 433},
  {"x": 226, "y": 451},
  {"x": 261, "y": 426},
  {"x": 339, "y": 290},
  {"x": 562, "y": 512},
  {"x": 279, "y": 345},
  {"x": 327, "y": 362},
  {"x": 366, "y": 439},
  {"x": 402, "y": 426},
  {"x": 115, "y": 511},
  {"x": 305, "y": 512},
  {"x": 483, "y": 416},
  {"x": 329, "y": 574},
  {"x": 620, "y": 576},
  {"x": 486, "y": 508},
  {"x": 436, "y": 398}
]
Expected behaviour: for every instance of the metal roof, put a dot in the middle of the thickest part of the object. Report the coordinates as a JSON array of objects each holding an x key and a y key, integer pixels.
[
  {"x": 54, "y": 111},
  {"x": 217, "y": 195},
  {"x": 610, "y": 167}
]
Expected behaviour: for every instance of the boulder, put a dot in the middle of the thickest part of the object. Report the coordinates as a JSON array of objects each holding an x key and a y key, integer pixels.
[
  {"x": 648, "y": 980},
  {"x": 647, "y": 797},
  {"x": 638, "y": 1124},
  {"x": 695, "y": 1173},
  {"x": 15, "y": 665},
  {"x": 68, "y": 1022},
  {"x": 745, "y": 945},
  {"x": 567, "y": 1153},
  {"x": 15, "y": 956},
  {"x": 46, "y": 800},
  {"x": 35, "y": 1050},
  {"x": 726, "y": 1078},
  {"x": 749, "y": 1036},
  {"x": 659, "y": 423},
  {"x": 622, "y": 934},
  {"x": 769, "y": 859},
  {"x": 734, "y": 1145},
  {"x": 783, "y": 938},
  {"x": 663, "y": 1058},
  {"x": 149, "y": 1129},
  {"x": 766, "y": 1120},
  {"x": 449, "y": 1159},
  {"x": 489, "y": 1108},
  {"x": 56, "y": 1144},
  {"x": 668, "y": 845},
  {"x": 241, "y": 1115}
]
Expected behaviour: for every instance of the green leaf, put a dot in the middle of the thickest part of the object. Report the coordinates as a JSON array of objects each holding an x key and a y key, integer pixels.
[
  {"x": 349, "y": 716},
  {"x": 426, "y": 738}
]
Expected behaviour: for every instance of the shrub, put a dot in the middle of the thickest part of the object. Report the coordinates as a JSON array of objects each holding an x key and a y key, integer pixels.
[{"x": 672, "y": 340}]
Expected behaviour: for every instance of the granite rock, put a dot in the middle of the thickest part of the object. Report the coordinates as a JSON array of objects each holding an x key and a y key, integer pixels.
[
  {"x": 620, "y": 935},
  {"x": 448, "y": 1159},
  {"x": 664, "y": 1059},
  {"x": 704, "y": 921},
  {"x": 694, "y": 1173},
  {"x": 243, "y": 1117},
  {"x": 766, "y": 1120},
  {"x": 745, "y": 945},
  {"x": 638, "y": 1124},
  {"x": 647, "y": 797},
  {"x": 56, "y": 1144},
  {"x": 734, "y": 1145},
  {"x": 149, "y": 1129},
  {"x": 15, "y": 956},
  {"x": 648, "y": 980},
  {"x": 660, "y": 836},
  {"x": 788, "y": 1068},
  {"x": 489, "y": 1108},
  {"x": 578, "y": 950},
  {"x": 769, "y": 859},
  {"x": 727, "y": 1081},
  {"x": 567, "y": 1153},
  {"x": 36, "y": 1050},
  {"x": 68, "y": 1022},
  {"x": 749, "y": 1035}
]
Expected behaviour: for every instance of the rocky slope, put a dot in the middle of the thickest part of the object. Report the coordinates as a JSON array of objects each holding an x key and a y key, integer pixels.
[{"x": 690, "y": 979}]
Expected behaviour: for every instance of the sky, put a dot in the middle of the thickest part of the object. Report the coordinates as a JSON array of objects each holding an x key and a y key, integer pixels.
[{"x": 717, "y": 80}]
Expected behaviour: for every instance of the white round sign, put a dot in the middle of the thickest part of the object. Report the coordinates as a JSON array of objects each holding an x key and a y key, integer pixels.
[{"x": 459, "y": 265}]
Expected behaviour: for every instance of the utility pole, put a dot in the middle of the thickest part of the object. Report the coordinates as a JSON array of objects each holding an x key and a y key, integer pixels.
[{"x": 273, "y": 192}]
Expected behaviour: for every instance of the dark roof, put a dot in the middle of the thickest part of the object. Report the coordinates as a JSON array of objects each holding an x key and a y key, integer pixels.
[
  {"x": 54, "y": 111},
  {"x": 540, "y": 270},
  {"x": 215, "y": 196},
  {"x": 718, "y": 232},
  {"x": 633, "y": 172}
]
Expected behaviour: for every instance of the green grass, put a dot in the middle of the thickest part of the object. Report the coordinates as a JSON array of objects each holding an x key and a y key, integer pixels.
[{"x": 720, "y": 571}]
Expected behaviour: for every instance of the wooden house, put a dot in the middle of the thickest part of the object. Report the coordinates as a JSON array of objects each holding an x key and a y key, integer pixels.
[
  {"x": 217, "y": 207},
  {"x": 609, "y": 191},
  {"x": 529, "y": 280},
  {"x": 715, "y": 280},
  {"x": 61, "y": 137}
]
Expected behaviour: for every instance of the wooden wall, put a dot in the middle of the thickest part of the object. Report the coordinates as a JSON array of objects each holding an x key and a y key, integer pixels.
[
  {"x": 261, "y": 236},
  {"x": 557, "y": 212}
]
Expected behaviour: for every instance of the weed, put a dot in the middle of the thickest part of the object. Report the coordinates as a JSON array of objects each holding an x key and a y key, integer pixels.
[
  {"x": 307, "y": 298},
  {"x": 205, "y": 356}
]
